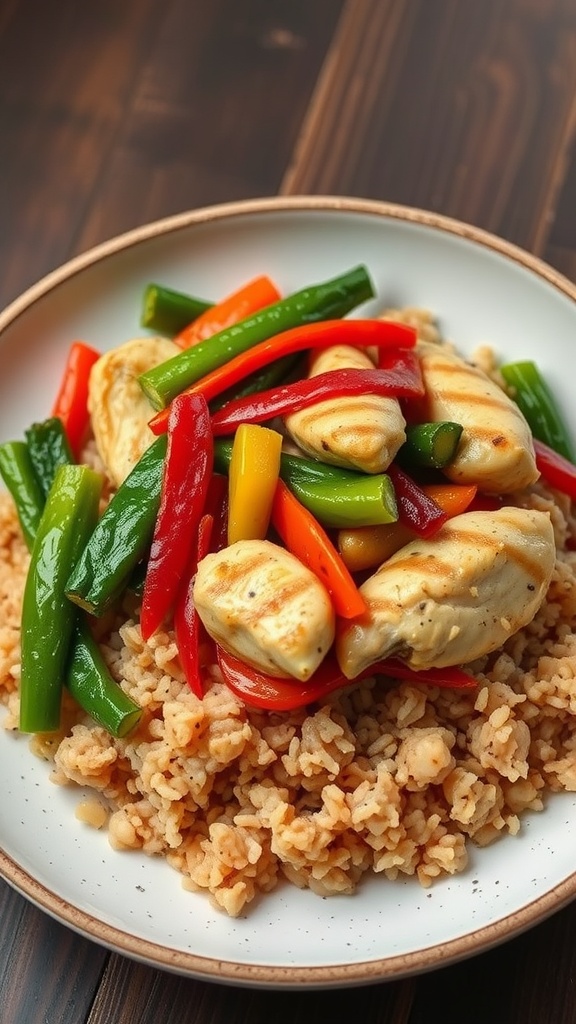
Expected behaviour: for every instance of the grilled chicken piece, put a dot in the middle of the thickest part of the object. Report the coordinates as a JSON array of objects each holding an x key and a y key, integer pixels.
[
  {"x": 119, "y": 409},
  {"x": 450, "y": 599},
  {"x": 261, "y": 604},
  {"x": 496, "y": 450},
  {"x": 361, "y": 432}
]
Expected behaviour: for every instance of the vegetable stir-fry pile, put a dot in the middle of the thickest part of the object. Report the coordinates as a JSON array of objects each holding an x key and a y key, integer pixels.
[{"x": 310, "y": 498}]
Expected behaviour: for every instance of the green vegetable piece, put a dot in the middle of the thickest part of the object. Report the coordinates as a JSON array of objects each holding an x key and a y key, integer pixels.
[
  {"x": 49, "y": 449},
  {"x": 271, "y": 375},
  {"x": 167, "y": 311},
  {"x": 329, "y": 300},
  {"x": 18, "y": 474},
  {"x": 336, "y": 497},
  {"x": 536, "y": 401},
  {"x": 90, "y": 683},
  {"x": 48, "y": 617},
  {"x": 122, "y": 536},
  {"x": 430, "y": 445}
]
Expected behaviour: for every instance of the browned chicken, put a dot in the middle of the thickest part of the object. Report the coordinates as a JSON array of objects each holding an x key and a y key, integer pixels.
[
  {"x": 450, "y": 599},
  {"x": 496, "y": 450},
  {"x": 362, "y": 432}
]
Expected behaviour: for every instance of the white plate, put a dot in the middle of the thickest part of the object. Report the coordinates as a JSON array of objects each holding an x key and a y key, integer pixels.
[{"x": 484, "y": 291}]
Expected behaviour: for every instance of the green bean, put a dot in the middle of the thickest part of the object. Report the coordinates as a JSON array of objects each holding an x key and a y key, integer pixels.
[
  {"x": 49, "y": 449},
  {"x": 167, "y": 311},
  {"x": 430, "y": 445},
  {"x": 536, "y": 401},
  {"x": 329, "y": 300},
  {"x": 48, "y": 617},
  {"x": 18, "y": 474},
  {"x": 122, "y": 536},
  {"x": 93, "y": 688}
]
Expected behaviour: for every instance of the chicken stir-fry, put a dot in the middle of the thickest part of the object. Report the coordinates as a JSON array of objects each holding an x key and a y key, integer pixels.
[
  {"x": 259, "y": 602},
  {"x": 359, "y": 433},
  {"x": 448, "y": 600},
  {"x": 119, "y": 409}
]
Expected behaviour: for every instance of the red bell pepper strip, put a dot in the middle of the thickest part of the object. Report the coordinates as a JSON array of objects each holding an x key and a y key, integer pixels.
[
  {"x": 305, "y": 538},
  {"x": 187, "y": 472},
  {"x": 298, "y": 339},
  {"x": 402, "y": 379},
  {"x": 271, "y": 693},
  {"x": 251, "y": 297},
  {"x": 187, "y": 623},
  {"x": 71, "y": 402},
  {"x": 416, "y": 509},
  {"x": 558, "y": 471}
]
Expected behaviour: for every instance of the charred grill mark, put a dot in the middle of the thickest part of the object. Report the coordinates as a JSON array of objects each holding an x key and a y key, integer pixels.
[{"x": 516, "y": 553}]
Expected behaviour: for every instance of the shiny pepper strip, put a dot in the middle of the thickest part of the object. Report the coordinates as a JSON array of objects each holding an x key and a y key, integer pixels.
[
  {"x": 252, "y": 478},
  {"x": 187, "y": 623},
  {"x": 186, "y": 476}
]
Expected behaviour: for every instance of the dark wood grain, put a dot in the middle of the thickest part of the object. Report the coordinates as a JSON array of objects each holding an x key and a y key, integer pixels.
[
  {"x": 130, "y": 110},
  {"x": 467, "y": 109}
]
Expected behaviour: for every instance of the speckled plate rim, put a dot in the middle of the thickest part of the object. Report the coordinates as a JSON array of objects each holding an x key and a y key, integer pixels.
[{"x": 262, "y": 975}]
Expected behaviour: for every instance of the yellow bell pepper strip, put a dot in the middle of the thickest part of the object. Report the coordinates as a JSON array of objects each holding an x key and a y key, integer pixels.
[
  {"x": 252, "y": 478},
  {"x": 188, "y": 627},
  {"x": 271, "y": 693},
  {"x": 558, "y": 471},
  {"x": 415, "y": 508},
  {"x": 400, "y": 381},
  {"x": 251, "y": 297},
  {"x": 187, "y": 470},
  {"x": 305, "y": 538},
  {"x": 381, "y": 333},
  {"x": 334, "y": 298},
  {"x": 71, "y": 402},
  {"x": 48, "y": 618},
  {"x": 366, "y": 547}
]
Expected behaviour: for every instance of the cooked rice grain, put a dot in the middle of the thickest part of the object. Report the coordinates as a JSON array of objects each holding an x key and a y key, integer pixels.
[{"x": 393, "y": 779}]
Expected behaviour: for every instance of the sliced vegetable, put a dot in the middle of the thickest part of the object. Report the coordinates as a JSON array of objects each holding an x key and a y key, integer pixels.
[
  {"x": 415, "y": 508},
  {"x": 430, "y": 445},
  {"x": 49, "y": 448},
  {"x": 369, "y": 546},
  {"x": 252, "y": 476},
  {"x": 558, "y": 471},
  {"x": 251, "y": 297},
  {"x": 336, "y": 497},
  {"x": 305, "y": 538},
  {"x": 401, "y": 381},
  {"x": 48, "y": 618},
  {"x": 536, "y": 401},
  {"x": 300, "y": 339},
  {"x": 89, "y": 681},
  {"x": 186, "y": 474},
  {"x": 71, "y": 403},
  {"x": 167, "y": 311},
  {"x": 18, "y": 474},
  {"x": 187, "y": 623},
  {"x": 330, "y": 299},
  {"x": 122, "y": 535},
  {"x": 270, "y": 693}
]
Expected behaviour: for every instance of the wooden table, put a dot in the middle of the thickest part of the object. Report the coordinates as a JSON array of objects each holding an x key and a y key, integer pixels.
[{"x": 117, "y": 112}]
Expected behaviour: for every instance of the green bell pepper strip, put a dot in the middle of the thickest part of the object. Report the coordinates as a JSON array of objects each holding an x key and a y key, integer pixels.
[
  {"x": 18, "y": 474},
  {"x": 48, "y": 617},
  {"x": 336, "y": 497},
  {"x": 49, "y": 449},
  {"x": 430, "y": 445},
  {"x": 122, "y": 536},
  {"x": 167, "y": 311},
  {"x": 535, "y": 400},
  {"x": 88, "y": 680},
  {"x": 329, "y": 300}
]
